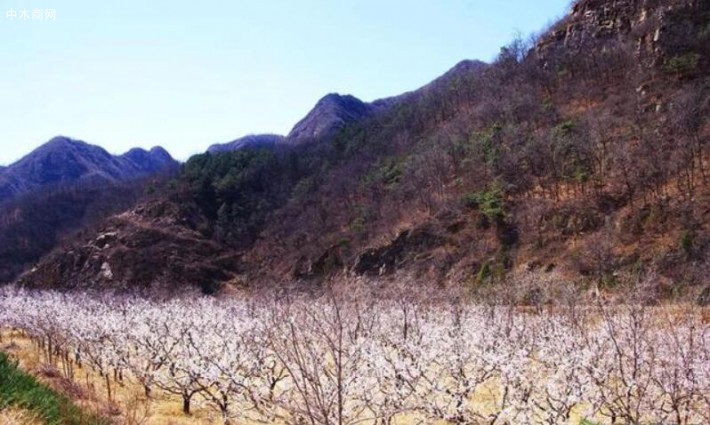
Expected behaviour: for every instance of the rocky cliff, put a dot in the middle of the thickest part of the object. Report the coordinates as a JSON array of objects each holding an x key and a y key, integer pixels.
[{"x": 658, "y": 31}]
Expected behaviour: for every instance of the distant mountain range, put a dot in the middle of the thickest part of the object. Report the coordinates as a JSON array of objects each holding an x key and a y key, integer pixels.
[{"x": 65, "y": 161}]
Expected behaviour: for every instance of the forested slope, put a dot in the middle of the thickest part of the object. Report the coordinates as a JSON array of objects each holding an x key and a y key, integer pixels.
[{"x": 580, "y": 156}]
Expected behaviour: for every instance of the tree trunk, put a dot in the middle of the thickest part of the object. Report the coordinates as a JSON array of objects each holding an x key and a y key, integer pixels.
[
  {"x": 225, "y": 409},
  {"x": 108, "y": 385},
  {"x": 186, "y": 404}
]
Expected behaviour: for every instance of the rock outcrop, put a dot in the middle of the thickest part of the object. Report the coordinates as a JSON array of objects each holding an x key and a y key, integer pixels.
[
  {"x": 150, "y": 247},
  {"x": 657, "y": 30}
]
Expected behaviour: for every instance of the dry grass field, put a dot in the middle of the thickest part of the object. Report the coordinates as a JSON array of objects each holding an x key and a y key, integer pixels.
[{"x": 14, "y": 416}]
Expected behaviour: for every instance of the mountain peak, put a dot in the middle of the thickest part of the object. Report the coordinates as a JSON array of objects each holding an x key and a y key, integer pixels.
[
  {"x": 62, "y": 142},
  {"x": 152, "y": 161},
  {"x": 57, "y": 140},
  {"x": 337, "y": 98},
  {"x": 343, "y": 100},
  {"x": 159, "y": 151},
  {"x": 331, "y": 113},
  {"x": 467, "y": 65}
]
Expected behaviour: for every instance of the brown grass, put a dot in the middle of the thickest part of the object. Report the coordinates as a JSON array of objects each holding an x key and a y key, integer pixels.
[
  {"x": 14, "y": 416},
  {"x": 129, "y": 405}
]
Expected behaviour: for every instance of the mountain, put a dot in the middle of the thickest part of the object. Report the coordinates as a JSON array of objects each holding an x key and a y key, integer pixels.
[
  {"x": 64, "y": 161},
  {"x": 333, "y": 112},
  {"x": 142, "y": 162},
  {"x": 66, "y": 186},
  {"x": 330, "y": 114},
  {"x": 254, "y": 140},
  {"x": 574, "y": 163}
]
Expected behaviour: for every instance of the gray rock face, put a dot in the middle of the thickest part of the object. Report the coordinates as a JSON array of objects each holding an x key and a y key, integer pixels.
[
  {"x": 65, "y": 161},
  {"x": 658, "y": 29},
  {"x": 254, "y": 140},
  {"x": 330, "y": 114}
]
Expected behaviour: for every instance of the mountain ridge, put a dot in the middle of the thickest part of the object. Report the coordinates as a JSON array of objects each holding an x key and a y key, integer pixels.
[
  {"x": 251, "y": 140},
  {"x": 63, "y": 160},
  {"x": 334, "y": 111}
]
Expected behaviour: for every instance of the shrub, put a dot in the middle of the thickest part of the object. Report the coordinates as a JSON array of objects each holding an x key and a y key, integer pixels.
[
  {"x": 358, "y": 225},
  {"x": 483, "y": 273},
  {"x": 686, "y": 243},
  {"x": 566, "y": 128},
  {"x": 343, "y": 241},
  {"x": 470, "y": 200},
  {"x": 388, "y": 172},
  {"x": 683, "y": 65},
  {"x": 704, "y": 297},
  {"x": 489, "y": 202}
]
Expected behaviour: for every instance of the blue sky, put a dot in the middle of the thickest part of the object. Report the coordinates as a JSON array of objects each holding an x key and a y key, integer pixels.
[{"x": 186, "y": 74}]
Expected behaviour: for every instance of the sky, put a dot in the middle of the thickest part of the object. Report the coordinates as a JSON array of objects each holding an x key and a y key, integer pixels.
[{"x": 187, "y": 74}]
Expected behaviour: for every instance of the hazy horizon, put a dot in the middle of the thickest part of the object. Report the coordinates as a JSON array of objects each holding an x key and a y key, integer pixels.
[{"x": 184, "y": 77}]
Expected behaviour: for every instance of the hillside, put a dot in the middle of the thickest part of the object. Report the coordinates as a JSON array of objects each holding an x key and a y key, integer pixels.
[
  {"x": 65, "y": 186},
  {"x": 580, "y": 158}
]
